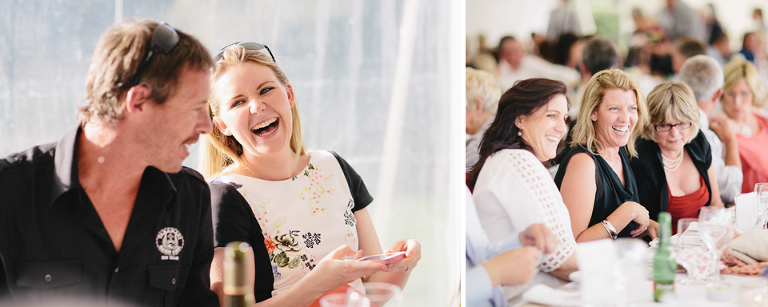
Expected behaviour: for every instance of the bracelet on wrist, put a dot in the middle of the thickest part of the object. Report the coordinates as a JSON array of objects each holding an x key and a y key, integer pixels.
[{"x": 610, "y": 229}]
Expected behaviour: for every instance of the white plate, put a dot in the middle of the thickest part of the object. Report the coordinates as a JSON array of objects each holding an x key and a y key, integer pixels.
[{"x": 542, "y": 294}]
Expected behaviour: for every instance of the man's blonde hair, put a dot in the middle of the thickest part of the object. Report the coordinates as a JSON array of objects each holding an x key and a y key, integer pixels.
[
  {"x": 584, "y": 132},
  {"x": 671, "y": 100},
  {"x": 483, "y": 85},
  {"x": 738, "y": 69},
  {"x": 118, "y": 55},
  {"x": 218, "y": 153}
]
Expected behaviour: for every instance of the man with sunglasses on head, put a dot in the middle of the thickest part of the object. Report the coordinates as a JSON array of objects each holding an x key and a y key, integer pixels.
[{"x": 108, "y": 212}]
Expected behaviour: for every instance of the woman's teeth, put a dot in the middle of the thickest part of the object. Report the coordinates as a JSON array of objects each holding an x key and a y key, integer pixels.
[
  {"x": 552, "y": 138},
  {"x": 621, "y": 129},
  {"x": 266, "y": 127},
  {"x": 264, "y": 124}
]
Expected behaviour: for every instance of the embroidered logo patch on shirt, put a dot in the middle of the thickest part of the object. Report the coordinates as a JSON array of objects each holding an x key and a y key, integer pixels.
[{"x": 169, "y": 242}]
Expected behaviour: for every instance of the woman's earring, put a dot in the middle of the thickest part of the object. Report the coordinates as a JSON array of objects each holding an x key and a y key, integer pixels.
[{"x": 519, "y": 133}]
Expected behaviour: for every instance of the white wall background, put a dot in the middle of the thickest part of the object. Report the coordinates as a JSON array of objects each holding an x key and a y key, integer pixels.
[
  {"x": 371, "y": 78},
  {"x": 496, "y": 18}
]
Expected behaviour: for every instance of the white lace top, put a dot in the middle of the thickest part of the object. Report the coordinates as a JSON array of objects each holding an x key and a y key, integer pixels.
[{"x": 513, "y": 191}]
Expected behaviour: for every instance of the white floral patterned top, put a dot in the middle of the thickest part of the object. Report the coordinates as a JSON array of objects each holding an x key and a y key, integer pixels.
[{"x": 304, "y": 218}]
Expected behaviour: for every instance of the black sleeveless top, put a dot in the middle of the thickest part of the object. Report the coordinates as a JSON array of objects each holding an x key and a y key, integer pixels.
[{"x": 610, "y": 192}]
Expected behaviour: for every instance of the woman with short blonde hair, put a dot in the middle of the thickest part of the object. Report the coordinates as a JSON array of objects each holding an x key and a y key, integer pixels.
[
  {"x": 740, "y": 97},
  {"x": 603, "y": 140},
  {"x": 673, "y": 168}
]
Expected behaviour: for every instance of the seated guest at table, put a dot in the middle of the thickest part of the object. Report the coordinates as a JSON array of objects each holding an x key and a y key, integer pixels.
[
  {"x": 705, "y": 78},
  {"x": 302, "y": 212},
  {"x": 603, "y": 139},
  {"x": 489, "y": 267},
  {"x": 673, "y": 167},
  {"x": 742, "y": 85},
  {"x": 482, "y": 97},
  {"x": 108, "y": 213},
  {"x": 512, "y": 188}
]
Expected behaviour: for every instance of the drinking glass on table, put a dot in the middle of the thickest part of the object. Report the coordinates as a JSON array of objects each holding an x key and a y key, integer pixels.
[
  {"x": 349, "y": 299},
  {"x": 376, "y": 294},
  {"x": 748, "y": 213},
  {"x": 761, "y": 191},
  {"x": 715, "y": 231},
  {"x": 686, "y": 255},
  {"x": 384, "y": 294}
]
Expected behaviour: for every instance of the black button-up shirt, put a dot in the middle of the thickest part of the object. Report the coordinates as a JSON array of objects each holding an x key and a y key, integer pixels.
[{"x": 52, "y": 241}]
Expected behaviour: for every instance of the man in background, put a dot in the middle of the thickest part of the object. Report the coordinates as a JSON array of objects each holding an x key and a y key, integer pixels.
[
  {"x": 704, "y": 76},
  {"x": 482, "y": 101},
  {"x": 515, "y": 64},
  {"x": 598, "y": 54}
]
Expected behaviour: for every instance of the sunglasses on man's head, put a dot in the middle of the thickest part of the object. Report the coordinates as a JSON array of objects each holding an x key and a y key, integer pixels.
[
  {"x": 247, "y": 46},
  {"x": 164, "y": 39}
]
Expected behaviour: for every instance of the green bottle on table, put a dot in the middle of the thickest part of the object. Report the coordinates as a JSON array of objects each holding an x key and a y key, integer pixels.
[
  {"x": 235, "y": 274},
  {"x": 664, "y": 265}
]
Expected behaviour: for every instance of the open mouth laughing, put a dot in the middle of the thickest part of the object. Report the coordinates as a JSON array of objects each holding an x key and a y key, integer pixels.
[
  {"x": 266, "y": 127},
  {"x": 621, "y": 130}
]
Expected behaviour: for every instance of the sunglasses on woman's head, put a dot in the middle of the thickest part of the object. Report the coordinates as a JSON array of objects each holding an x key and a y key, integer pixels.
[{"x": 247, "y": 46}]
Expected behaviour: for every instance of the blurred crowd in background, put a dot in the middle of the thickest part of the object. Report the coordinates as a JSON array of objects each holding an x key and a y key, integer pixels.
[{"x": 654, "y": 52}]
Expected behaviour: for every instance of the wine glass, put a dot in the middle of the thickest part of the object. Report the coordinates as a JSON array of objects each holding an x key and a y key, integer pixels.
[
  {"x": 748, "y": 213},
  {"x": 715, "y": 231},
  {"x": 384, "y": 294},
  {"x": 350, "y": 299},
  {"x": 761, "y": 192},
  {"x": 686, "y": 256}
]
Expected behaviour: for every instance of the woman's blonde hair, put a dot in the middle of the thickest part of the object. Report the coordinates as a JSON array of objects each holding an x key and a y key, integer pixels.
[
  {"x": 584, "y": 132},
  {"x": 218, "y": 153},
  {"x": 671, "y": 100},
  {"x": 738, "y": 69}
]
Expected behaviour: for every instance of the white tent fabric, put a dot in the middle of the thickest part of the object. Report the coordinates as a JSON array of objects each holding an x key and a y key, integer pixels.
[{"x": 371, "y": 79}]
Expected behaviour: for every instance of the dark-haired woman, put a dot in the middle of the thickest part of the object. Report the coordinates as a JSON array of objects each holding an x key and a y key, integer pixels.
[{"x": 512, "y": 188}]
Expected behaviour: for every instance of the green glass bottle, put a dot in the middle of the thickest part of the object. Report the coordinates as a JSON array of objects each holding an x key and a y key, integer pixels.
[
  {"x": 235, "y": 274},
  {"x": 664, "y": 265}
]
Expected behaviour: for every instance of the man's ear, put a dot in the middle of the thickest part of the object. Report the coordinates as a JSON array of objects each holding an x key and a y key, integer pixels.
[
  {"x": 222, "y": 126},
  {"x": 583, "y": 71},
  {"x": 136, "y": 99},
  {"x": 478, "y": 105},
  {"x": 717, "y": 95}
]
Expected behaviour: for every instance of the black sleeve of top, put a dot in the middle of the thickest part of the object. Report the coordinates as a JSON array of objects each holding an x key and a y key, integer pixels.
[
  {"x": 197, "y": 290},
  {"x": 699, "y": 144},
  {"x": 233, "y": 220},
  {"x": 356, "y": 186}
]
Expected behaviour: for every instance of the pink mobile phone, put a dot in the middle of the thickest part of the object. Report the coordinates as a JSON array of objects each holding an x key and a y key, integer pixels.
[{"x": 387, "y": 258}]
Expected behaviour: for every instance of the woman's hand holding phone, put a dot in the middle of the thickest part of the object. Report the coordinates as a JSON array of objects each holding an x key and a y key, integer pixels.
[
  {"x": 336, "y": 269},
  {"x": 412, "y": 250}
]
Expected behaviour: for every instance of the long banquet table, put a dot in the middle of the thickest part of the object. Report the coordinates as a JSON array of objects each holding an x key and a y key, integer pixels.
[{"x": 687, "y": 295}]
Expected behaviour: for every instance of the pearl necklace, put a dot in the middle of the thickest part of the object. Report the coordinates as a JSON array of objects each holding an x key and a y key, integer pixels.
[{"x": 670, "y": 165}]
